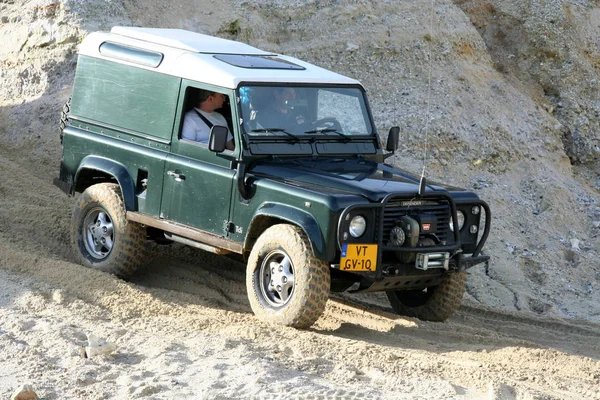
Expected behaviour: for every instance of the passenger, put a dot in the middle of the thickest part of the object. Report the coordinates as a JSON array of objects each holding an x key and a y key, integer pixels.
[{"x": 198, "y": 121}]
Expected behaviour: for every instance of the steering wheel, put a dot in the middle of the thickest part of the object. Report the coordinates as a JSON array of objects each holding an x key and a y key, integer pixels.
[{"x": 327, "y": 123}]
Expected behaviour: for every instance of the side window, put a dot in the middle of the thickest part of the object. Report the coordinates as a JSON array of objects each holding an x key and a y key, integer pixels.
[{"x": 202, "y": 110}]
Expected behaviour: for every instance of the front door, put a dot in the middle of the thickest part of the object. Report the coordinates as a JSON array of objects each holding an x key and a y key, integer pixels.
[{"x": 198, "y": 182}]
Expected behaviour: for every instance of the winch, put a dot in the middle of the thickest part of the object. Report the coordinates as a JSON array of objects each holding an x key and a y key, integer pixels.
[{"x": 418, "y": 231}]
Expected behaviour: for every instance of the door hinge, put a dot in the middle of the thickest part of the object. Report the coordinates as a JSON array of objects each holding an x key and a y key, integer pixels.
[{"x": 229, "y": 227}]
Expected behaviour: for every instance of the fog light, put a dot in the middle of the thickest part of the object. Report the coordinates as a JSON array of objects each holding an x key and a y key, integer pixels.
[
  {"x": 357, "y": 227},
  {"x": 475, "y": 210},
  {"x": 473, "y": 229}
]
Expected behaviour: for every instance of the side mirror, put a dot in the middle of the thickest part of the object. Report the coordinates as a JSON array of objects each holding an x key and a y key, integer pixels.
[
  {"x": 392, "y": 140},
  {"x": 218, "y": 138}
]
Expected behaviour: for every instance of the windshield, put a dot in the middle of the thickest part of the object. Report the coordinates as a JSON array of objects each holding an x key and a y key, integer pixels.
[{"x": 296, "y": 112}]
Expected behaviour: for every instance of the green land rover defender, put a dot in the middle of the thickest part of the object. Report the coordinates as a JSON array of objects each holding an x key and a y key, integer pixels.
[{"x": 303, "y": 196}]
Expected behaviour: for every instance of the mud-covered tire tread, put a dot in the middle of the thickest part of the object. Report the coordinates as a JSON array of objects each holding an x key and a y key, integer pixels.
[
  {"x": 442, "y": 304},
  {"x": 312, "y": 278},
  {"x": 129, "y": 251},
  {"x": 64, "y": 118}
]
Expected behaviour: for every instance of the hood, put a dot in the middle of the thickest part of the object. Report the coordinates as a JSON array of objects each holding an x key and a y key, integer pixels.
[{"x": 366, "y": 178}]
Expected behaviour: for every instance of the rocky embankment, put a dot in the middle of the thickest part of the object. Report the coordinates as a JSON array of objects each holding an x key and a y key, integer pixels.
[{"x": 497, "y": 96}]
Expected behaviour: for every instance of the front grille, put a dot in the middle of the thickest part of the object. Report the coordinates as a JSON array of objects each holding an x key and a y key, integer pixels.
[{"x": 441, "y": 210}]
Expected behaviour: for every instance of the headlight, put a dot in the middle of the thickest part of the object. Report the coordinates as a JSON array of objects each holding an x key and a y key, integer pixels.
[
  {"x": 461, "y": 221},
  {"x": 357, "y": 227}
]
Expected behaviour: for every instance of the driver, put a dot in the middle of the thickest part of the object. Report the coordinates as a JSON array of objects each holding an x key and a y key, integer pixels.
[{"x": 280, "y": 113}]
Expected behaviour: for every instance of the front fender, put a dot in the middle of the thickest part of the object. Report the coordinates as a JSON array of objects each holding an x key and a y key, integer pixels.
[
  {"x": 114, "y": 169},
  {"x": 294, "y": 216}
]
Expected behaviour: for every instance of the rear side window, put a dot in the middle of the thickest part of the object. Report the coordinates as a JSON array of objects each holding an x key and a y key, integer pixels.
[
  {"x": 127, "y": 97},
  {"x": 131, "y": 54}
]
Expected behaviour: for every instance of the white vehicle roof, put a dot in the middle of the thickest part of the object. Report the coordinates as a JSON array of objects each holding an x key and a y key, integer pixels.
[{"x": 193, "y": 55}]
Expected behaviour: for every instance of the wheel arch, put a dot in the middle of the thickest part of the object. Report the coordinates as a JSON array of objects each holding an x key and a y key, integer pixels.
[
  {"x": 94, "y": 169},
  {"x": 271, "y": 214}
]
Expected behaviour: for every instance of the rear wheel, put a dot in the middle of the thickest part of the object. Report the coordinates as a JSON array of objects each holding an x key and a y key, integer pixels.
[
  {"x": 437, "y": 303},
  {"x": 102, "y": 237},
  {"x": 64, "y": 118},
  {"x": 286, "y": 283}
]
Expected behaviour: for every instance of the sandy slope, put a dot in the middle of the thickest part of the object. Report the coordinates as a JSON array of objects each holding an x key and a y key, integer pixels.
[
  {"x": 508, "y": 118},
  {"x": 184, "y": 329}
]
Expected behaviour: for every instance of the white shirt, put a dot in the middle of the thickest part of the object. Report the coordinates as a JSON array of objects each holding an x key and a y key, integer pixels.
[{"x": 195, "y": 129}]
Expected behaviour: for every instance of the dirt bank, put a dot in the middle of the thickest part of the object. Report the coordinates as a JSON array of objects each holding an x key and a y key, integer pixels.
[{"x": 509, "y": 119}]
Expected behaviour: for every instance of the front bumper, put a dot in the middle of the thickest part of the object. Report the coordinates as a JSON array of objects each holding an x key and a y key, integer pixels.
[
  {"x": 391, "y": 274},
  {"x": 407, "y": 277}
]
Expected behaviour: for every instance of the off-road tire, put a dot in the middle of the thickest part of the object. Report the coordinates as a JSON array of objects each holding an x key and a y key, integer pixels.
[
  {"x": 64, "y": 118},
  {"x": 437, "y": 304},
  {"x": 311, "y": 278},
  {"x": 129, "y": 244}
]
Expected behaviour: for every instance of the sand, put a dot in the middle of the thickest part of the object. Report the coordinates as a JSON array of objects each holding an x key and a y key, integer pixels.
[{"x": 529, "y": 326}]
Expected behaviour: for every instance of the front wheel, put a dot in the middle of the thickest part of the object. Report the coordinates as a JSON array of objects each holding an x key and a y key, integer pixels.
[
  {"x": 102, "y": 237},
  {"x": 437, "y": 303},
  {"x": 286, "y": 283}
]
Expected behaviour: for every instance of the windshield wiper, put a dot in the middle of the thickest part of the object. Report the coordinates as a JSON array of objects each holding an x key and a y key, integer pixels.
[
  {"x": 331, "y": 130},
  {"x": 272, "y": 130}
]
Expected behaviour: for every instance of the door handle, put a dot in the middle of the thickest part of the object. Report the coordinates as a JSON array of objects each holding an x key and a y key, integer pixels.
[{"x": 178, "y": 177}]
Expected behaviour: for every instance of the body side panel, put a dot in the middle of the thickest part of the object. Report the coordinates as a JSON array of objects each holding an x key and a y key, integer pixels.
[
  {"x": 316, "y": 213},
  {"x": 119, "y": 157},
  {"x": 125, "y": 97}
]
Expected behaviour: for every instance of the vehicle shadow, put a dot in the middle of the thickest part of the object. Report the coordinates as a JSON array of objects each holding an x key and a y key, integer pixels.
[
  {"x": 209, "y": 280},
  {"x": 219, "y": 282},
  {"x": 472, "y": 328}
]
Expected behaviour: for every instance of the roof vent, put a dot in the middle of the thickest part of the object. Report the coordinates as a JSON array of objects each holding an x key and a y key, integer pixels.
[{"x": 258, "y": 62}]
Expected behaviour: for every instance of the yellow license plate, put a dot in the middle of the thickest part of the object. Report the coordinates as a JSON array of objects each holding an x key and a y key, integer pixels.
[{"x": 359, "y": 257}]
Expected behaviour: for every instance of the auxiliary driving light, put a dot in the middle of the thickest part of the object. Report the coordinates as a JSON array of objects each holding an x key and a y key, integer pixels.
[
  {"x": 473, "y": 229},
  {"x": 357, "y": 227},
  {"x": 461, "y": 221},
  {"x": 475, "y": 210}
]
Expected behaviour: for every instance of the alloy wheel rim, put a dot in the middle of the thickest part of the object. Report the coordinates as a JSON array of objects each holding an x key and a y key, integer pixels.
[
  {"x": 98, "y": 233},
  {"x": 277, "y": 278}
]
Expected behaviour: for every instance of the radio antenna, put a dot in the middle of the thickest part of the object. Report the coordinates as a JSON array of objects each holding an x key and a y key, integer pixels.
[{"x": 423, "y": 181}]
